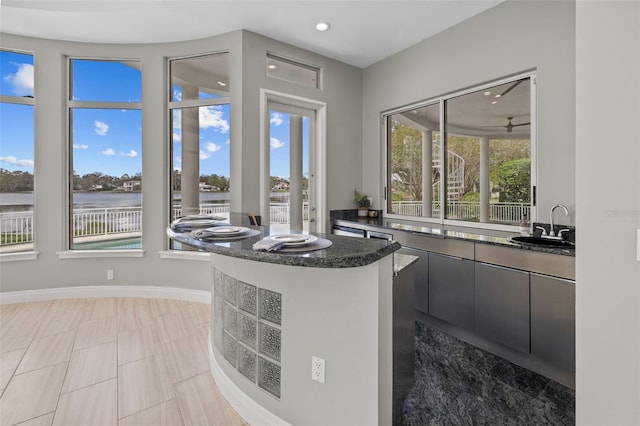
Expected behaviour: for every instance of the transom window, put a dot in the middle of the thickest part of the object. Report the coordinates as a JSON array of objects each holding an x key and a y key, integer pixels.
[
  {"x": 105, "y": 147},
  {"x": 486, "y": 152}
]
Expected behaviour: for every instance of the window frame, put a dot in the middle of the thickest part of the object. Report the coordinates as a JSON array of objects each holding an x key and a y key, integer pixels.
[
  {"x": 178, "y": 105},
  {"x": 27, "y": 101},
  {"x": 441, "y": 100},
  {"x": 70, "y": 105}
]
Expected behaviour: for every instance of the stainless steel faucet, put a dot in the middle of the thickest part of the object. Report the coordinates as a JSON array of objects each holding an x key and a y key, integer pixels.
[{"x": 566, "y": 213}]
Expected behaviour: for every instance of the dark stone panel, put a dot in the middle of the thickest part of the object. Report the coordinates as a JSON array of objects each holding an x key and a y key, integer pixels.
[{"x": 459, "y": 384}]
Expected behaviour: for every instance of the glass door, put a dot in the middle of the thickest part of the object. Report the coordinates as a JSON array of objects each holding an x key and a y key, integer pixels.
[{"x": 291, "y": 168}]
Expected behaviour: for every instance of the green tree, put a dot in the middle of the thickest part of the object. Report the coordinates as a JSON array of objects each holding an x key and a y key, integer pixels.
[{"x": 514, "y": 179}]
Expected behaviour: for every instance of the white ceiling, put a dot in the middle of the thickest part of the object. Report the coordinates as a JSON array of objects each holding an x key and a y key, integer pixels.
[{"x": 362, "y": 31}]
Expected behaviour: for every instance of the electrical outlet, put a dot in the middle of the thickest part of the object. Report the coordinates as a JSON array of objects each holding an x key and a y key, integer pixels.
[
  {"x": 110, "y": 274},
  {"x": 317, "y": 369}
]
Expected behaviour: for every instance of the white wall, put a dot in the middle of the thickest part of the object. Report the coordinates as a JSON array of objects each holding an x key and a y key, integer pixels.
[
  {"x": 510, "y": 38},
  {"x": 608, "y": 206},
  {"x": 247, "y": 76}
]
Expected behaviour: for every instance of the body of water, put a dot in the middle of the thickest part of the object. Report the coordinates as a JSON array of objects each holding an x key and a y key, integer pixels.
[{"x": 23, "y": 201}]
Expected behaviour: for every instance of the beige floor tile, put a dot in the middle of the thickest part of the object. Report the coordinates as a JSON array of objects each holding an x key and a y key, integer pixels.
[
  {"x": 45, "y": 420},
  {"x": 17, "y": 336},
  {"x": 95, "y": 332},
  {"x": 131, "y": 302},
  {"x": 6, "y": 311},
  {"x": 133, "y": 317},
  {"x": 95, "y": 405},
  {"x": 201, "y": 403},
  {"x": 8, "y": 363},
  {"x": 173, "y": 326},
  {"x": 137, "y": 344},
  {"x": 32, "y": 394},
  {"x": 68, "y": 305},
  {"x": 197, "y": 313},
  {"x": 32, "y": 312},
  {"x": 91, "y": 365},
  {"x": 46, "y": 351},
  {"x": 165, "y": 414},
  {"x": 186, "y": 357},
  {"x": 100, "y": 308},
  {"x": 160, "y": 307},
  {"x": 59, "y": 322},
  {"x": 143, "y": 384}
]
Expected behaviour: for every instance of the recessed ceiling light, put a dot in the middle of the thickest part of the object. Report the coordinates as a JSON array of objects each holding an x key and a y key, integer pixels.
[
  {"x": 494, "y": 102},
  {"x": 271, "y": 67},
  {"x": 322, "y": 26},
  {"x": 222, "y": 83},
  {"x": 487, "y": 93},
  {"x": 497, "y": 96}
]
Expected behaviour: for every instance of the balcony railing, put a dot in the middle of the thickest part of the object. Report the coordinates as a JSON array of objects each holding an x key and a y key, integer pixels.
[
  {"x": 17, "y": 227},
  {"x": 466, "y": 210}
]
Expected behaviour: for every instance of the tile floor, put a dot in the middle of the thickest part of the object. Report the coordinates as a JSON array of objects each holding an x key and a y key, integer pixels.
[{"x": 108, "y": 361}]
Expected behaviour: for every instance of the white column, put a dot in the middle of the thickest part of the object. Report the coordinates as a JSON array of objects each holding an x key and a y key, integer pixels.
[
  {"x": 190, "y": 174},
  {"x": 485, "y": 189},
  {"x": 427, "y": 172},
  {"x": 295, "y": 173}
]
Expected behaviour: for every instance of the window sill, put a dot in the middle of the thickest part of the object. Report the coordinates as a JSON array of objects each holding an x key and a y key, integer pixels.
[
  {"x": 83, "y": 254},
  {"x": 185, "y": 255},
  {"x": 15, "y": 257}
]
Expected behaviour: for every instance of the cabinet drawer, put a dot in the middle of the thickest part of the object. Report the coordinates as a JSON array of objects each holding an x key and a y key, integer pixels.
[{"x": 421, "y": 291}]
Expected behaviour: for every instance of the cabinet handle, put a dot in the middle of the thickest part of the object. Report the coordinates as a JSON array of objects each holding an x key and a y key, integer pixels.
[
  {"x": 506, "y": 268},
  {"x": 448, "y": 256}
]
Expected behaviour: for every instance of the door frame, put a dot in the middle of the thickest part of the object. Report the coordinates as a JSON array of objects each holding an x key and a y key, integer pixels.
[{"x": 319, "y": 154}]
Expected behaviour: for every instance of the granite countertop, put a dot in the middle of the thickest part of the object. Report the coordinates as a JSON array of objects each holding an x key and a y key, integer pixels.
[
  {"x": 500, "y": 238},
  {"x": 345, "y": 252}
]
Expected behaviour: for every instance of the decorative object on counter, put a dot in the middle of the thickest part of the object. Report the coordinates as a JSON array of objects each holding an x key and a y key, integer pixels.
[
  {"x": 363, "y": 203},
  {"x": 373, "y": 213},
  {"x": 254, "y": 220},
  {"x": 224, "y": 233},
  {"x": 186, "y": 223}
]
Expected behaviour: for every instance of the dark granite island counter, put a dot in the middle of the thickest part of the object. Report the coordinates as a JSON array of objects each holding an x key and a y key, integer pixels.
[{"x": 274, "y": 313}]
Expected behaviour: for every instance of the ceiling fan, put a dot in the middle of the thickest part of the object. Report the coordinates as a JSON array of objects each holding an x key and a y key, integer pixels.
[{"x": 509, "y": 126}]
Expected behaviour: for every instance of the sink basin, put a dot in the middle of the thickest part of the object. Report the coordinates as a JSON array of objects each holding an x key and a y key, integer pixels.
[{"x": 541, "y": 242}]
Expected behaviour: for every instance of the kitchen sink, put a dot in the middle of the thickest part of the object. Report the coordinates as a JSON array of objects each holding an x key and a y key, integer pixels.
[{"x": 541, "y": 242}]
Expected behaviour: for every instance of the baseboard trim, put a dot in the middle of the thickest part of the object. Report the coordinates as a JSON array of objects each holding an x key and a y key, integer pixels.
[
  {"x": 252, "y": 412},
  {"x": 78, "y": 292}
]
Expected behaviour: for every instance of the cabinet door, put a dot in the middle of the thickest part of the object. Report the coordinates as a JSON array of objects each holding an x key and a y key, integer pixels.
[
  {"x": 451, "y": 289},
  {"x": 502, "y": 305},
  {"x": 421, "y": 298},
  {"x": 553, "y": 320}
]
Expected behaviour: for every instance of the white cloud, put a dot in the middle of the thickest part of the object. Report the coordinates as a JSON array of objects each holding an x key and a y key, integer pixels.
[
  {"x": 101, "y": 127},
  {"x": 108, "y": 152},
  {"x": 276, "y": 143},
  {"x": 10, "y": 159},
  {"x": 80, "y": 146},
  {"x": 131, "y": 153},
  {"x": 276, "y": 119},
  {"x": 211, "y": 117},
  {"x": 177, "y": 137},
  {"x": 204, "y": 155},
  {"x": 21, "y": 81},
  {"x": 212, "y": 147}
]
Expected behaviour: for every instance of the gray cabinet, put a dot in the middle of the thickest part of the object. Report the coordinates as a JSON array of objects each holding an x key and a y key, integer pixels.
[
  {"x": 421, "y": 267},
  {"x": 502, "y": 305},
  {"x": 553, "y": 320},
  {"x": 451, "y": 290}
]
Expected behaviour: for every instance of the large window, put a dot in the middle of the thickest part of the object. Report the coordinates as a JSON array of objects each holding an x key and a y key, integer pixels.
[
  {"x": 200, "y": 144},
  {"x": 486, "y": 153},
  {"x": 16, "y": 152},
  {"x": 105, "y": 116}
]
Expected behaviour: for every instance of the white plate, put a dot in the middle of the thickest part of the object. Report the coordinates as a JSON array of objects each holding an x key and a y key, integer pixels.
[
  {"x": 292, "y": 240},
  {"x": 220, "y": 232}
]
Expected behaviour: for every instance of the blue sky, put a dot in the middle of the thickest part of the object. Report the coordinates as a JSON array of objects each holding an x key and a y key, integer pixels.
[{"x": 109, "y": 141}]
